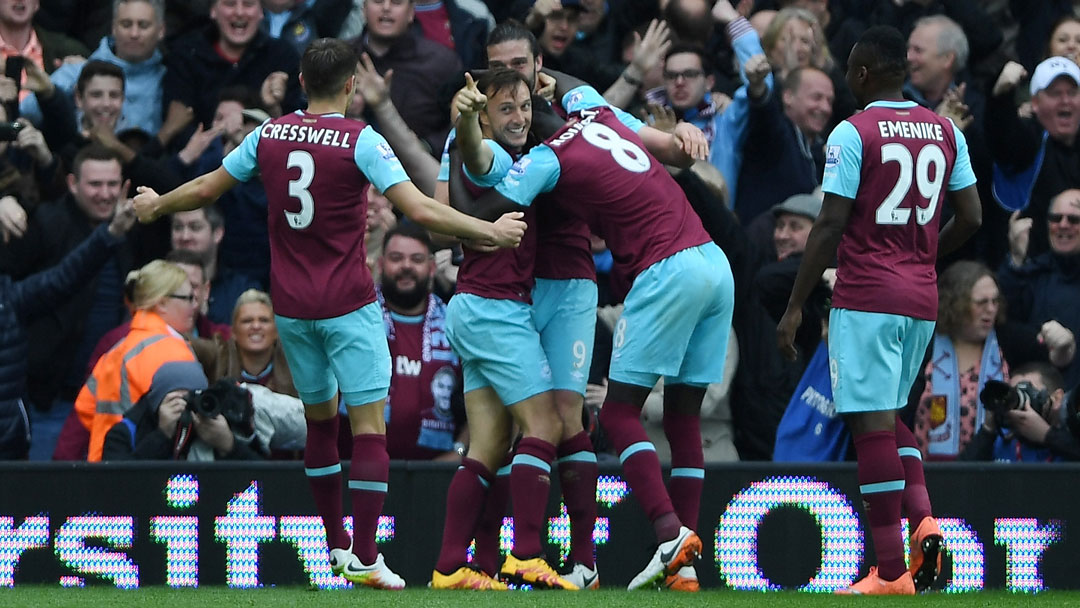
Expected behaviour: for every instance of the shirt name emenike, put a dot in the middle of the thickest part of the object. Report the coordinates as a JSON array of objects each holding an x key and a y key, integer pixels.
[
  {"x": 910, "y": 130},
  {"x": 302, "y": 133}
]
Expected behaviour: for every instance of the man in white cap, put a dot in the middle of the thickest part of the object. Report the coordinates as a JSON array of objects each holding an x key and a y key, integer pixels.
[{"x": 1035, "y": 158}]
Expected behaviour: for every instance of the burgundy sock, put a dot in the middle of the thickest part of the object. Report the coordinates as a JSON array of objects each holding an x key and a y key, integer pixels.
[
  {"x": 683, "y": 432},
  {"x": 530, "y": 484},
  {"x": 367, "y": 487},
  {"x": 577, "y": 476},
  {"x": 488, "y": 529},
  {"x": 467, "y": 489},
  {"x": 323, "y": 470},
  {"x": 916, "y": 500},
  {"x": 640, "y": 465},
  {"x": 881, "y": 481}
]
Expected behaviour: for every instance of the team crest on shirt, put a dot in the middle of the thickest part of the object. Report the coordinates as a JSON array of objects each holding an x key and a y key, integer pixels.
[
  {"x": 832, "y": 156},
  {"x": 575, "y": 97},
  {"x": 519, "y": 167},
  {"x": 385, "y": 151}
]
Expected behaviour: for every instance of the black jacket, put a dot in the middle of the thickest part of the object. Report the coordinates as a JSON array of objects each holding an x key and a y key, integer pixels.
[
  {"x": 21, "y": 302},
  {"x": 53, "y": 230}
]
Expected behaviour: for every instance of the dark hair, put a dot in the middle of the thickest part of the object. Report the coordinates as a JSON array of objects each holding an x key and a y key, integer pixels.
[
  {"x": 1051, "y": 377},
  {"x": 512, "y": 30},
  {"x": 96, "y": 67},
  {"x": 697, "y": 49},
  {"x": 884, "y": 51},
  {"x": 326, "y": 65},
  {"x": 188, "y": 258},
  {"x": 494, "y": 81},
  {"x": 409, "y": 230},
  {"x": 243, "y": 95},
  {"x": 1053, "y": 28},
  {"x": 93, "y": 151},
  {"x": 954, "y": 294}
]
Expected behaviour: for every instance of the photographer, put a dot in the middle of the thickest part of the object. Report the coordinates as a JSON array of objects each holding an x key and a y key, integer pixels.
[
  {"x": 1023, "y": 420},
  {"x": 172, "y": 421}
]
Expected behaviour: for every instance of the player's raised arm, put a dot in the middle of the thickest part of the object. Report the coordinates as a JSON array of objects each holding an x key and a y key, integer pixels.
[
  {"x": 199, "y": 192},
  {"x": 506, "y": 231},
  {"x": 491, "y": 204},
  {"x": 468, "y": 102}
]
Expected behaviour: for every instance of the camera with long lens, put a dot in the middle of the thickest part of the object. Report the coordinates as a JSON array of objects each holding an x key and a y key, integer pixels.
[
  {"x": 229, "y": 400},
  {"x": 1000, "y": 397}
]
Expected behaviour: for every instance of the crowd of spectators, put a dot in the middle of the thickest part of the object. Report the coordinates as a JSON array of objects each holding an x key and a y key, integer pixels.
[{"x": 99, "y": 97}]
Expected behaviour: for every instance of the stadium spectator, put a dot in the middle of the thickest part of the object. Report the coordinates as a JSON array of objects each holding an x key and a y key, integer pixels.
[
  {"x": 138, "y": 27},
  {"x": 299, "y": 22},
  {"x": 164, "y": 311},
  {"x": 784, "y": 153},
  {"x": 201, "y": 231},
  {"x": 60, "y": 343},
  {"x": 36, "y": 295},
  {"x": 421, "y": 68},
  {"x": 231, "y": 51},
  {"x": 1034, "y": 430},
  {"x": 1043, "y": 287},
  {"x": 29, "y": 171},
  {"x": 20, "y": 37},
  {"x": 1036, "y": 157},
  {"x": 425, "y": 411}
]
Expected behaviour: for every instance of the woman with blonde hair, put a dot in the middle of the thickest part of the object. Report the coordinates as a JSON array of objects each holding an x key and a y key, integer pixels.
[
  {"x": 795, "y": 39},
  {"x": 164, "y": 306},
  {"x": 254, "y": 356}
]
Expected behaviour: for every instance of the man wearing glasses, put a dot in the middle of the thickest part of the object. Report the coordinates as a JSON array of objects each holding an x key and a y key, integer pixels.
[
  {"x": 688, "y": 83},
  {"x": 1047, "y": 286}
]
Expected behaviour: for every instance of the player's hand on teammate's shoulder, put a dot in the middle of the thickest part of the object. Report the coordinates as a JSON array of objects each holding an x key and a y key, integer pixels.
[
  {"x": 691, "y": 141},
  {"x": 146, "y": 208},
  {"x": 508, "y": 229},
  {"x": 545, "y": 86}
]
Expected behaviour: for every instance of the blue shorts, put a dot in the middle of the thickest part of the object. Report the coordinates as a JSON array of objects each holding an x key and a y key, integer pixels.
[
  {"x": 874, "y": 358},
  {"x": 347, "y": 353},
  {"x": 564, "y": 313},
  {"x": 498, "y": 346},
  {"x": 676, "y": 321}
]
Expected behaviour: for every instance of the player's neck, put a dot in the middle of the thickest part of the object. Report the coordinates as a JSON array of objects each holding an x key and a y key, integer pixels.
[
  {"x": 886, "y": 95},
  {"x": 336, "y": 105}
]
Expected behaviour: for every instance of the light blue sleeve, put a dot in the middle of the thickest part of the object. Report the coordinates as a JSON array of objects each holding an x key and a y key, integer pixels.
[
  {"x": 444, "y": 160},
  {"x": 243, "y": 162},
  {"x": 843, "y": 161},
  {"x": 500, "y": 166},
  {"x": 962, "y": 175},
  {"x": 535, "y": 173},
  {"x": 585, "y": 97},
  {"x": 378, "y": 161},
  {"x": 746, "y": 46}
]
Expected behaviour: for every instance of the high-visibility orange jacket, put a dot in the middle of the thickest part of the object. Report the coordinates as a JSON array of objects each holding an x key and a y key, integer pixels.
[{"x": 124, "y": 374}]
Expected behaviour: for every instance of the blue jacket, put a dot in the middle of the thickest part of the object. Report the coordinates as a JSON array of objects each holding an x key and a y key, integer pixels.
[
  {"x": 22, "y": 302},
  {"x": 142, "y": 88}
]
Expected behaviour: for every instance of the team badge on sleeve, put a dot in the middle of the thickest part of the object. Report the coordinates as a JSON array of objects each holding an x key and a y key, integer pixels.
[
  {"x": 832, "y": 156},
  {"x": 385, "y": 151},
  {"x": 518, "y": 169}
]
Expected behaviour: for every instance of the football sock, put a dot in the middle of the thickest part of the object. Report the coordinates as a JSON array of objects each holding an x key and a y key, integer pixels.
[
  {"x": 641, "y": 467},
  {"x": 367, "y": 487},
  {"x": 577, "y": 477},
  {"x": 530, "y": 484},
  {"x": 683, "y": 432},
  {"x": 323, "y": 470},
  {"x": 468, "y": 488},
  {"x": 881, "y": 482},
  {"x": 916, "y": 500}
]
